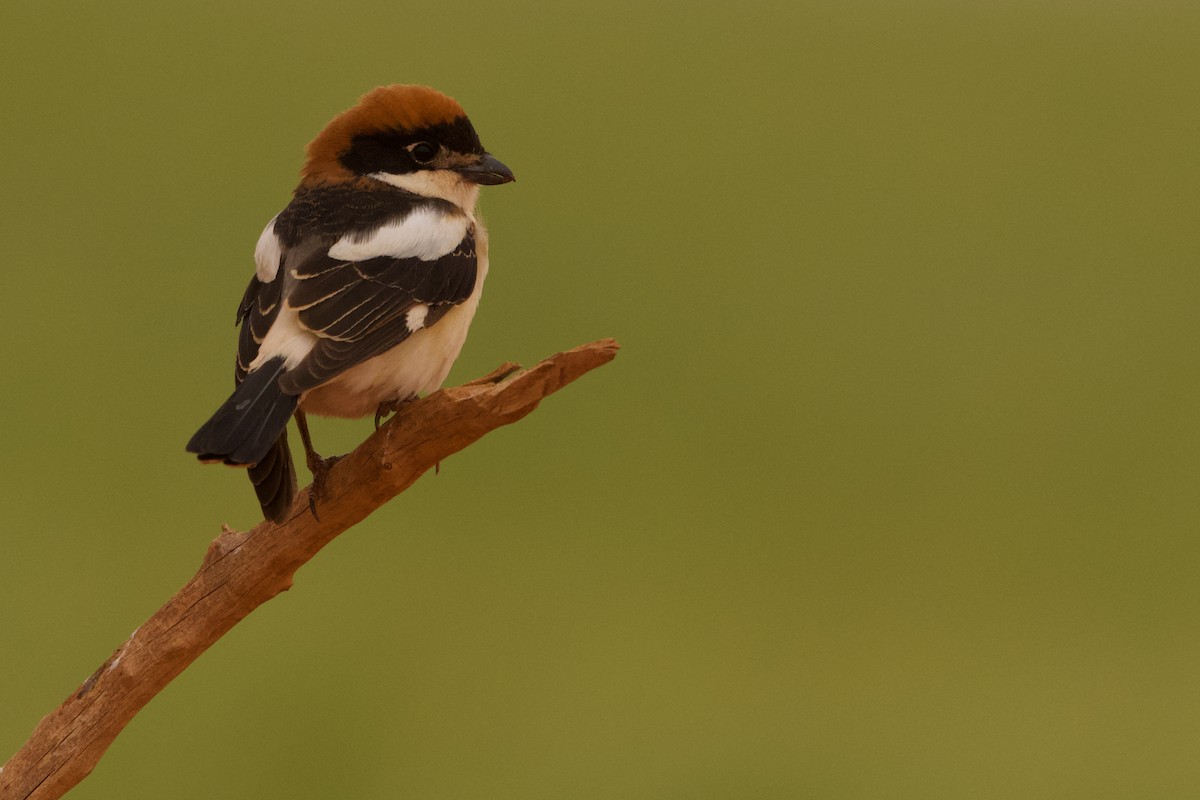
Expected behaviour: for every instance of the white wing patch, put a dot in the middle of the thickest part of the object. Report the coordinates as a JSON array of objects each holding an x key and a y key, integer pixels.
[
  {"x": 415, "y": 318},
  {"x": 287, "y": 338},
  {"x": 267, "y": 253},
  {"x": 427, "y": 234}
]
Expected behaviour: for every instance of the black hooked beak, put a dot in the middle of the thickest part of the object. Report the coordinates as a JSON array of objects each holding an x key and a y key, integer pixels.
[{"x": 489, "y": 171}]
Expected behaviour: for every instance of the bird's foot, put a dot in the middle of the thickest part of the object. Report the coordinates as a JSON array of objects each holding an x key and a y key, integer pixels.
[
  {"x": 319, "y": 467},
  {"x": 391, "y": 407}
]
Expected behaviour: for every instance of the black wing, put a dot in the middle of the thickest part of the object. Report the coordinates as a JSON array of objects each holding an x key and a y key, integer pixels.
[
  {"x": 273, "y": 476},
  {"x": 359, "y": 309},
  {"x": 256, "y": 313}
]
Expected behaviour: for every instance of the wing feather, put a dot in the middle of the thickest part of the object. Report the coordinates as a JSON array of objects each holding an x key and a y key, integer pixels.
[
  {"x": 256, "y": 313},
  {"x": 358, "y": 309}
]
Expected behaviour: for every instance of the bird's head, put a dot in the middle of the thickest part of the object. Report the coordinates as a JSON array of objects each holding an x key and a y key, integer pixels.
[{"x": 412, "y": 137}]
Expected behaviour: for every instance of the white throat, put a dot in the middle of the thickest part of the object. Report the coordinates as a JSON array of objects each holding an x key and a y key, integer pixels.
[{"x": 440, "y": 183}]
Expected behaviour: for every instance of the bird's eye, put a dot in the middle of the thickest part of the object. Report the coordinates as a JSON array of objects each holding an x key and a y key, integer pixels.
[{"x": 423, "y": 152}]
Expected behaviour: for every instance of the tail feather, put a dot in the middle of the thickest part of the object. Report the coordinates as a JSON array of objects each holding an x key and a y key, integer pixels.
[
  {"x": 247, "y": 426},
  {"x": 274, "y": 479}
]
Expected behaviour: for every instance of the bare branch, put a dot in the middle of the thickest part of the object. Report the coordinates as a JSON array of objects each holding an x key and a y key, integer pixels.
[{"x": 242, "y": 570}]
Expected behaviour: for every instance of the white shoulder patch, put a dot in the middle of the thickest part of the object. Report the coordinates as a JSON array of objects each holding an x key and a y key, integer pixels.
[
  {"x": 267, "y": 253},
  {"x": 426, "y": 234}
]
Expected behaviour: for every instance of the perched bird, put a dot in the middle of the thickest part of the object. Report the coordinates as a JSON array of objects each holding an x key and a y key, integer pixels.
[{"x": 365, "y": 283}]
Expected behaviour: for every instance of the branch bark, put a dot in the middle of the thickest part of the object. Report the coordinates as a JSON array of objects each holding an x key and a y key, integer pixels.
[{"x": 242, "y": 570}]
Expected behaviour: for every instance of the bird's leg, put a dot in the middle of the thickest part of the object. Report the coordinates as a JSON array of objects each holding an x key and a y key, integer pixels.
[{"x": 319, "y": 467}]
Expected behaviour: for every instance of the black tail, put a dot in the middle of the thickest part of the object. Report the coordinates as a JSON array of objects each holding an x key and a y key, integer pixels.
[
  {"x": 247, "y": 427},
  {"x": 274, "y": 479}
]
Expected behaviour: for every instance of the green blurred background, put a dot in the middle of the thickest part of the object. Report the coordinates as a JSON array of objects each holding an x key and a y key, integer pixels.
[{"x": 891, "y": 492}]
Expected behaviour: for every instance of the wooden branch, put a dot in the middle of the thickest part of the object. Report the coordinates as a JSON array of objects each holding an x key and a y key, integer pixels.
[{"x": 241, "y": 571}]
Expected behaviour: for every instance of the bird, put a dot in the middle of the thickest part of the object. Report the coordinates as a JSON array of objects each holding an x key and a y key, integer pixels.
[{"x": 364, "y": 286}]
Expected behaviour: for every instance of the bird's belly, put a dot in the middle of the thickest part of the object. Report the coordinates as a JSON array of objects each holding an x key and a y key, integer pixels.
[{"x": 418, "y": 364}]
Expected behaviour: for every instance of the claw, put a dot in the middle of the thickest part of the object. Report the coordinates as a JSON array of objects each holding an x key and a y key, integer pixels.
[
  {"x": 319, "y": 467},
  {"x": 391, "y": 407}
]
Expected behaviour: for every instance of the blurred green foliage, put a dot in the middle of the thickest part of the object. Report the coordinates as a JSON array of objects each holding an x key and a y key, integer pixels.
[{"x": 890, "y": 493}]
